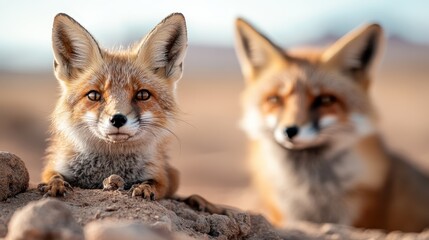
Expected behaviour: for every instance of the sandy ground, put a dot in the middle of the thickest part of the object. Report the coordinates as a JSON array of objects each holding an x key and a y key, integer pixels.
[
  {"x": 211, "y": 155},
  {"x": 92, "y": 205},
  {"x": 120, "y": 213}
]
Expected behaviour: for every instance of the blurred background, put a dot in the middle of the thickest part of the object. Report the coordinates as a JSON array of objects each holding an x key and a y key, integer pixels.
[{"x": 211, "y": 154}]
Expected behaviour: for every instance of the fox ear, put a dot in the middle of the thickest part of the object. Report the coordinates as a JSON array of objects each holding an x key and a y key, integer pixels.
[
  {"x": 357, "y": 51},
  {"x": 255, "y": 51},
  {"x": 163, "y": 49},
  {"x": 75, "y": 50}
]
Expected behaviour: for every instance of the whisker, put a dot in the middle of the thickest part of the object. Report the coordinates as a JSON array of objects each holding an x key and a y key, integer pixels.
[
  {"x": 146, "y": 128},
  {"x": 167, "y": 118},
  {"x": 159, "y": 126}
]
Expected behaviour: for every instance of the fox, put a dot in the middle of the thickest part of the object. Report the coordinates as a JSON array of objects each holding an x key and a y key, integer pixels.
[
  {"x": 315, "y": 153},
  {"x": 111, "y": 127}
]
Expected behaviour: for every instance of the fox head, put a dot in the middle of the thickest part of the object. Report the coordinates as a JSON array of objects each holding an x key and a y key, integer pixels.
[
  {"x": 117, "y": 97},
  {"x": 308, "y": 99}
]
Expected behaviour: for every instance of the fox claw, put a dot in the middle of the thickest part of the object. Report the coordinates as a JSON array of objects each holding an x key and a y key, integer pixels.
[
  {"x": 56, "y": 187},
  {"x": 144, "y": 190}
]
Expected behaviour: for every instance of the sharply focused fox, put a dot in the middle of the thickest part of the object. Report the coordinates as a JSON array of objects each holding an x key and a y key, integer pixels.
[
  {"x": 115, "y": 112},
  {"x": 315, "y": 151},
  {"x": 112, "y": 124}
]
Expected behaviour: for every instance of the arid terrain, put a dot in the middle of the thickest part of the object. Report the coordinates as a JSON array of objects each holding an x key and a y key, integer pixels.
[{"x": 211, "y": 153}]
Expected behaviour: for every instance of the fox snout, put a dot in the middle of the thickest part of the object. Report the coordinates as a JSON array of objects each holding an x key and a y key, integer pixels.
[
  {"x": 296, "y": 136},
  {"x": 291, "y": 131},
  {"x": 118, "y": 120},
  {"x": 310, "y": 133},
  {"x": 118, "y": 126}
]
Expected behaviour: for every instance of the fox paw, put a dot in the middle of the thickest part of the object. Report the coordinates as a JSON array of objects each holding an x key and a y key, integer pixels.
[
  {"x": 143, "y": 190},
  {"x": 56, "y": 187},
  {"x": 113, "y": 182}
]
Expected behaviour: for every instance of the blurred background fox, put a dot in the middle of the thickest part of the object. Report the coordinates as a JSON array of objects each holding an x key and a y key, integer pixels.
[
  {"x": 315, "y": 151},
  {"x": 211, "y": 156}
]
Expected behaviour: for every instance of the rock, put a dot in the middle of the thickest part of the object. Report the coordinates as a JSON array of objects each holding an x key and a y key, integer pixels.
[
  {"x": 124, "y": 230},
  {"x": 44, "y": 219},
  {"x": 14, "y": 176}
]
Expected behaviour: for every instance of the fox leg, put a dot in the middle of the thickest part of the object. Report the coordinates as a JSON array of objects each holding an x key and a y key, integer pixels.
[
  {"x": 164, "y": 184},
  {"x": 173, "y": 181},
  {"x": 53, "y": 184},
  {"x": 146, "y": 190},
  {"x": 150, "y": 190}
]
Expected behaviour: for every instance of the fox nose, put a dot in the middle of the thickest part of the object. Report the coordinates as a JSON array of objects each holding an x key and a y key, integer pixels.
[
  {"x": 118, "y": 120},
  {"x": 291, "y": 131}
]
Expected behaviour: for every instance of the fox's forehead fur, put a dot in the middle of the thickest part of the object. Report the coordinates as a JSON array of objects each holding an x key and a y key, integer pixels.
[
  {"x": 119, "y": 76},
  {"x": 306, "y": 74},
  {"x": 124, "y": 96},
  {"x": 344, "y": 68}
]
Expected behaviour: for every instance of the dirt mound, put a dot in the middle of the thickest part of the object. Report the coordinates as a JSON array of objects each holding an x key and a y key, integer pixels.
[
  {"x": 170, "y": 215},
  {"x": 100, "y": 214}
]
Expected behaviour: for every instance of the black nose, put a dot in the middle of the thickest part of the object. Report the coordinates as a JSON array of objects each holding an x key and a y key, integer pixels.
[
  {"x": 291, "y": 131},
  {"x": 118, "y": 120}
]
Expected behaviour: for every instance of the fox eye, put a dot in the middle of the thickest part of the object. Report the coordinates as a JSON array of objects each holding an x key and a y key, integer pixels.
[
  {"x": 143, "y": 95},
  {"x": 94, "y": 95},
  {"x": 324, "y": 100},
  {"x": 274, "y": 99}
]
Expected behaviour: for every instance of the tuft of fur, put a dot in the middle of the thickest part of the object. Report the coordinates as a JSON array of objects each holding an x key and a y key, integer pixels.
[
  {"x": 315, "y": 151},
  {"x": 138, "y": 83}
]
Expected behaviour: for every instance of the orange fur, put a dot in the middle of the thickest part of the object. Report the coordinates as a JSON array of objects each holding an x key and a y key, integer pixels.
[
  {"x": 315, "y": 151},
  {"x": 116, "y": 110}
]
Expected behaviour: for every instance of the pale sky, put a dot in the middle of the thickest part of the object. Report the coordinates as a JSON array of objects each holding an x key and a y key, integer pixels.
[{"x": 25, "y": 26}]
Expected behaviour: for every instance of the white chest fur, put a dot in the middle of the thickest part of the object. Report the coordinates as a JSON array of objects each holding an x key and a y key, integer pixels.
[{"x": 313, "y": 188}]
